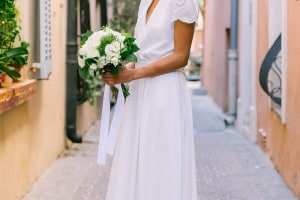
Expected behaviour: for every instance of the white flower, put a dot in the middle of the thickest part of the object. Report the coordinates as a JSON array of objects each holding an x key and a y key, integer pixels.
[
  {"x": 98, "y": 35},
  {"x": 109, "y": 50},
  {"x": 116, "y": 46},
  {"x": 83, "y": 50},
  {"x": 113, "y": 51},
  {"x": 81, "y": 61},
  {"x": 121, "y": 41},
  {"x": 108, "y": 59},
  {"x": 93, "y": 42},
  {"x": 92, "y": 53},
  {"x": 102, "y": 61},
  {"x": 115, "y": 61},
  {"x": 93, "y": 66}
]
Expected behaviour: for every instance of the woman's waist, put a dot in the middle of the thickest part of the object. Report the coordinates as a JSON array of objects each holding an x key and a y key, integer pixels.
[
  {"x": 144, "y": 63},
  {"x": 168, "y": 76}
]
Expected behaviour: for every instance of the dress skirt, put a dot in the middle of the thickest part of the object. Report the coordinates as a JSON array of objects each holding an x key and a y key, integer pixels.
[{"x": 154, "y": 156}]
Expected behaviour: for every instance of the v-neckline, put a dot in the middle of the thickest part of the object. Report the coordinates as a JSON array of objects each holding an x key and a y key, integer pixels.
[{"x": 150, "y": 14}]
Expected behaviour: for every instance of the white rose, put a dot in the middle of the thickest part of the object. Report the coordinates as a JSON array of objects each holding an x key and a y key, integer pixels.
[
  {"x": 83, "y": 50},
  {"x": 98, "y": 35},
  {"x": 94, "y": 42},
  {"x": 109, "y": 50},
  {"x": 92, "y": 53},
  {"x": 81, "y": 62},
  {"x": 116, "y": 46},
  {"x": 94, "y": 39}
]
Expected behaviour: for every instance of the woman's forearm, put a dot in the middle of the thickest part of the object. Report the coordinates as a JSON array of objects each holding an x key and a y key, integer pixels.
[{"x": 168, "y": 64}]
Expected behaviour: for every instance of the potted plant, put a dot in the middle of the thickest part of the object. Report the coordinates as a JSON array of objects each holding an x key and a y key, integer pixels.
[{"x": 13, "y": 51}]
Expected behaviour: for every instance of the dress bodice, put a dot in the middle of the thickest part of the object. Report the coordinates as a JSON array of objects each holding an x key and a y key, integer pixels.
[{"x": 156, "y": 36}]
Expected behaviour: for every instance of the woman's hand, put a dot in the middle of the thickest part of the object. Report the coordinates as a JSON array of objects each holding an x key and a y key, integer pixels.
[{"x": 126, "y": 74}]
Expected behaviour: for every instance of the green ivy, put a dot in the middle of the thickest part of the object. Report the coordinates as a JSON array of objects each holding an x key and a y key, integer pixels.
[
  {"x": 11, "y": 55},
  {"x": 10, "y": 28}
]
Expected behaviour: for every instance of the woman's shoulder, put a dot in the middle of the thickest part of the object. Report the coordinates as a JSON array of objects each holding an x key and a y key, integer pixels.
[{"x": 185, "y": 10}]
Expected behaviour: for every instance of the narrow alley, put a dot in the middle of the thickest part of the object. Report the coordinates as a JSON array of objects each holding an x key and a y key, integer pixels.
[{"x": 229, "y": 167}]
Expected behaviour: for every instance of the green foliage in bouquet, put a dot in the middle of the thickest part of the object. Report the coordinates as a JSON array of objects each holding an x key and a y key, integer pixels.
[{"x": 92, "y": 87}]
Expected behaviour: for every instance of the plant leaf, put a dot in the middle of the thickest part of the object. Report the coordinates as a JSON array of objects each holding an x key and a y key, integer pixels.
[
  {"x": 85, "y": 37},
  {"x": 14, "y": 52},
  {"x": 114, "y": 71},
  {"x": 83, "y": 72},
  {"x": 9, "y": 72},
  {"x": 132, "y": 58}
]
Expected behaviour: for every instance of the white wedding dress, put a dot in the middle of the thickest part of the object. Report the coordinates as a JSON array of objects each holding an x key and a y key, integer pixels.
[{"x": 154, "y": 155}]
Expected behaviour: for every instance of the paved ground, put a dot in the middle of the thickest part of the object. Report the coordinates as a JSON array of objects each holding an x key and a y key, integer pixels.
[{"x": 228, "y": 166}]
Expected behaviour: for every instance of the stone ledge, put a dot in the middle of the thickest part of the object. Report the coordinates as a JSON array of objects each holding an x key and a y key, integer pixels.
[{"x": 14, "y": 94}]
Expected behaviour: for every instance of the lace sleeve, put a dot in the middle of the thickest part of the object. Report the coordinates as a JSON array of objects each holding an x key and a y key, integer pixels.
[{"x": 185, "y": 10}]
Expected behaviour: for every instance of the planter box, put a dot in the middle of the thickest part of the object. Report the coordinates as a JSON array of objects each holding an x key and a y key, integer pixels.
[{"x": 14, "y": 94}]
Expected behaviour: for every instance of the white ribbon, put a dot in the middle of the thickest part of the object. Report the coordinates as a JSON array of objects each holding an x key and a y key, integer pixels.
[{"x": 109, "y": 132}]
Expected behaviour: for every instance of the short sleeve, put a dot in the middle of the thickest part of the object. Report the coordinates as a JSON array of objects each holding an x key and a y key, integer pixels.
[{"x": 185, "y": 10}]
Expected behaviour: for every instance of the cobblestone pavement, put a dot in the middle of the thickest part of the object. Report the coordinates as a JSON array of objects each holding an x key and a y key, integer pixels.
[{"x": 228, "y": 166}]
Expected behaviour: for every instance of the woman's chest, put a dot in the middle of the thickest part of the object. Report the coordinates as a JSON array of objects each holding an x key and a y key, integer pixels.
[{"x": 159, "y": 22}]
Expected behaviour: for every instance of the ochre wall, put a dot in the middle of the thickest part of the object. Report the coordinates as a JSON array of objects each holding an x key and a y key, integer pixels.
[
  {"x": 32, "y": 135},
  {"x": 216, "y": 43},
  {"x": 282, "y": 141}
]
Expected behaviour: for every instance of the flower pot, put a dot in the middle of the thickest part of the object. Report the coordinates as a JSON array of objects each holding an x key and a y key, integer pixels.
[{"x": 2, "y": 78}]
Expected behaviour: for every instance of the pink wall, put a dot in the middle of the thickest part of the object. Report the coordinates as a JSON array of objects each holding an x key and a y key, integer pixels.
[
  {"x": 282, "y": 141},
  {"x": 216, "y": 42}
]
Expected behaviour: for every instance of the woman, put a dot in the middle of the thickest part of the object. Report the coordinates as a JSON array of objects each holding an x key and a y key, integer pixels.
[{"x": 154, "y": 156}]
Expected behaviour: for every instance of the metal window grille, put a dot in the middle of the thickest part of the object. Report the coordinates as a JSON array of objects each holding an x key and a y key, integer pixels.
[{"x": 270, "y": 72}]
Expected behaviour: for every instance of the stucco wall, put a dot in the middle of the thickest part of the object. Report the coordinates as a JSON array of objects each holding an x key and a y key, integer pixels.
[
  {"x": 32, "y": 134},
  {"x": 216, "y": 42},
  {"x": 282, "y": 141}
]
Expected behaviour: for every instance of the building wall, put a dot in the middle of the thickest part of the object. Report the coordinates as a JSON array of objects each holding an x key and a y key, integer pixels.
[
  {"x": 246, "y": 101},
  {"x": 293, "y": 92},
  {"x": 216, "y": 43},
  {"x": 281, "y": 141},
  {"x": 32, "y": 135}
]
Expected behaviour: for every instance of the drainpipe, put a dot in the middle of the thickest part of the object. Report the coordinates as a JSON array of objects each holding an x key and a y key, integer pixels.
[
  {"x": 104, "y": 20},
  {"x": 71, "y": 73},
  {"x": 232, "y": 66}
]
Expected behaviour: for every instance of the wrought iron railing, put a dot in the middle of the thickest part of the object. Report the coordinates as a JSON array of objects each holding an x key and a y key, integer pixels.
[{"x": 270, "y": 72}]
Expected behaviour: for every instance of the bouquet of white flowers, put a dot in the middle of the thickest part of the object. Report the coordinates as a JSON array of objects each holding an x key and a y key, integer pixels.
[{"x": 106, "y": 50}]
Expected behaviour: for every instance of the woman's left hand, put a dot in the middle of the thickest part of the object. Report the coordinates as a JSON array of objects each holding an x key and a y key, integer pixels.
[{"x": 125, "y": 75}]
